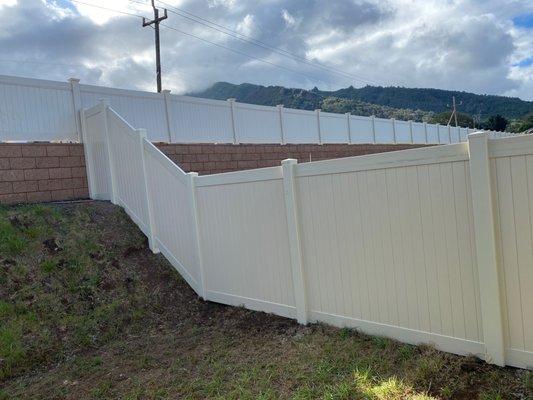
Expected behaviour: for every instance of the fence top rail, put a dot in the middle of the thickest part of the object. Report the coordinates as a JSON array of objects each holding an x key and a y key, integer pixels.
[
  {"x": 166, "y": 162},
  {"x": 117, "y": 115},
  {"x": 505, "y": 146},
  {"x": 401, "y": 158},
  {"x": 89, "y": 112},
  {"x": 249, "y": 175},
  {"x": 32, "y": 82},
  {"x": 102, "y": 90}
]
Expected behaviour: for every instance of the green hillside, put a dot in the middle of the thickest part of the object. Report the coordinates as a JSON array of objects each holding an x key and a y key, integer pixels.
[{"x": 387, "y": 102}]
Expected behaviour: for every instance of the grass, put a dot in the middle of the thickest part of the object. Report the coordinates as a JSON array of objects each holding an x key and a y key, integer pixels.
[{"x": 87, "y": 312}]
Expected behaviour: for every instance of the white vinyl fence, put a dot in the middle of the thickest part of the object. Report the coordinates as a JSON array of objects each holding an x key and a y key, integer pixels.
[
  {"x": 38, "y": 110},
  {"x": 430, "y": 245}
]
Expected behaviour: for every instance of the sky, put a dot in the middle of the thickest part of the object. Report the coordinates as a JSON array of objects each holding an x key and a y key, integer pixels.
[{"x": 480, "y": 46}]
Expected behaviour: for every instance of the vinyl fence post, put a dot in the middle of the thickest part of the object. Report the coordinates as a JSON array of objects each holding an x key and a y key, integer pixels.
[
  {"x": 449, "y": 134},
  {"x": 76, "y": 102},
  {"x": 149, "y": 207},
  {"x": 104, "y": 105},
  {"x": 372, "y": 119},
  {"x": 88, "y": 155},
  {"x": 393, "y": 131},
  {"x": 348, "y": 127},
  {"x": 297, "y": 267},
  {"x": 196, "y": 232},
  {"x": 233, "y": 127},
  {"x": 411, "y": 131},
  {"x": 488, "y": 270},
  {"x": 168, "y": 113},
  {"x": 317, "y": 111},
  {"x": 280, "y": 113}
]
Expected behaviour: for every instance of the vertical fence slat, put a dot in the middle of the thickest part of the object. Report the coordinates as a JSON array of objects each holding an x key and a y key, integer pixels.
[
  {"x": 488, "y": 270},
  {"x": 281, "y": 132},
  {"x": 76, "y": 102},
  {"x": 104, "y": 105},
  {"x": 297, "y": 266},
  {"x": 233, "y": 127},
  {"x": 196, "y": 234},
  {"x": 149, "y": 210},
  {"x": 168, "y": 113}
]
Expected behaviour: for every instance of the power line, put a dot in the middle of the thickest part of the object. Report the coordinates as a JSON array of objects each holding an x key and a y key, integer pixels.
[
  {"x": 107, "y": 9},
  {"x": 256, "y": 42},
  {"x": 243, "y": 53}
]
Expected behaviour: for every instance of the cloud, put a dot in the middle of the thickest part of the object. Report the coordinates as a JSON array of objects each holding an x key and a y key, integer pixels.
[{"x": 462, "y": 44}]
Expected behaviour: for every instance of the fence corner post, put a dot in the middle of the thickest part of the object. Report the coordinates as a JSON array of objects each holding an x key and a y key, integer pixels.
[
  {"x": 76, "y": 103},
  {"x": 298, "y": 273},
  {"x": 104, "y": 105},
  {"x": 149, "y": 207},
  {"x": 168, "y": 113},
  {"x": 486, "y": 251},
  {"x": 202, "y": 289}
]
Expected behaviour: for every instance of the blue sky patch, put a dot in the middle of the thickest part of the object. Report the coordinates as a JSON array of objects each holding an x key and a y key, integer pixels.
[
  {"x": 526, "y": 62},
  {"x": 524, "y": 20}
]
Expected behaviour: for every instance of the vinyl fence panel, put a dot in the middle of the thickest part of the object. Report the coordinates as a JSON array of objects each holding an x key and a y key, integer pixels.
[
  {"x": 257, "y": 124},
  {"x": 361, "y": 129},
  {"x": 333, "y": 128},
  {"x": 200, "y": 120},
  {"x": 141, "y": 109},
  {"x": 36, "y": 109},
  {"x": 173, "y": 214},
  {"x": 244, "y": 226},
  {"x": 512, "y": 172},
  {"x": 389, "y": 249}
]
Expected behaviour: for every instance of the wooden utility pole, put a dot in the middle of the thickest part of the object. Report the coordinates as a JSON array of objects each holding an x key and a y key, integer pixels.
[{"x": 157, "y": 19}]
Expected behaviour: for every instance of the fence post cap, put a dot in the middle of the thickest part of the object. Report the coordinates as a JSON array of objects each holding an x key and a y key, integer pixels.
[
  {"x": 348, "y": 113},
  {"x": 141, "y": 131},
  {"x": 74, "y": 80},
  {"x": 318, "y": 109},
  {"x": 232, "y": 99},
  {"x": 280, "y": 106},
  {"x": 104, "y": 102},
  {"x": 289, "y": 161},
  {"x": 165, "y": 91}
]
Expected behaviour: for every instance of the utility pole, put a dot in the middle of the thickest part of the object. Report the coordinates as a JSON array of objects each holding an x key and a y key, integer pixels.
[
  {"x": 454, "y": 112},
  {"x": 157, "y": 19}
]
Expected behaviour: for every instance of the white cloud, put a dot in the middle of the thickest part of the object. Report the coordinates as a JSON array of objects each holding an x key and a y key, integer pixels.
[{"x": 467, "y": 45}]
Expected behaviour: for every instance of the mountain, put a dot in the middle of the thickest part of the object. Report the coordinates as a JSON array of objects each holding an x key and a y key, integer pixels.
[{"x": 388, "y": 102}]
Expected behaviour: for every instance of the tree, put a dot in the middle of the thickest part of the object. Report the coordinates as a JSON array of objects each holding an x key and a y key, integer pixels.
[
  {"x": 463, "y": 119},
  {"x": 496, "y": 123}
]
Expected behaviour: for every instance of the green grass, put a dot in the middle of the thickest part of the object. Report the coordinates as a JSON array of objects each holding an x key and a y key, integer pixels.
[{"x": 87, "y": 312}]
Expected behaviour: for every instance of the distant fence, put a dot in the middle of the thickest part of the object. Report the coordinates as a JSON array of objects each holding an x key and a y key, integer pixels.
[
  {"x": 39, "y": 110},
  {"x": 430, "y": 245}
]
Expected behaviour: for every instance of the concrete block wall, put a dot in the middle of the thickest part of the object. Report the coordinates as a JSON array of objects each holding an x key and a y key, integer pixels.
[
  {"x": 40, "y": 172},
  {"x": 218, "y": 158}
]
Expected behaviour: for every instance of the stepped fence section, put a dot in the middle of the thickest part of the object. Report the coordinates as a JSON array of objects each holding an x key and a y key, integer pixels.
[
  {"x": 430, "y": 245},
  {"x": 39, "y": 110}
]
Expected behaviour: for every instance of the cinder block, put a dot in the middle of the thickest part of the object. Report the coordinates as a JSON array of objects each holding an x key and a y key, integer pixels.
[
  {"x": 12, "y": 198},
  {"x": 35, "y": 174},
  {"x": 11, "y": 175},
  {"x": 25, "y": 186},
  {"x": 22, "y": 162},
  {"x": 6, "y": 187},
  {"x": 61, "y": 173},
  {"x": 47, "y": 162},
  {"x": 39, "y": 196},
  {"x": 10, "y": 150},
  {"x": 58, "y": 150},
  {"x": 33, "y": 150},
  {"x": 50, "y": 184}
]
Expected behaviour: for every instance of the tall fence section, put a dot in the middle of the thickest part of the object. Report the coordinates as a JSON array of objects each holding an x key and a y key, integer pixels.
[
  {"x": 430, "y": 245},
  {"x": 39, "y": 110}
]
